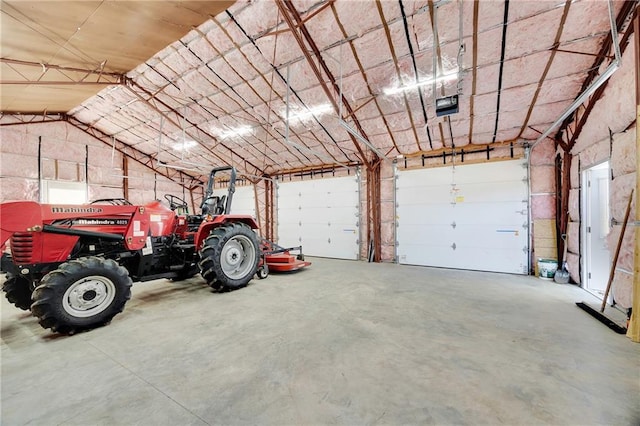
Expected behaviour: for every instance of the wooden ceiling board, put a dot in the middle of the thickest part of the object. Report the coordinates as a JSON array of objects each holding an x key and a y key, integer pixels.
[
  {"x": 32, "y": 98},
  {"x": 86, "y": 34},
  {"x": 37, "y": 31}
]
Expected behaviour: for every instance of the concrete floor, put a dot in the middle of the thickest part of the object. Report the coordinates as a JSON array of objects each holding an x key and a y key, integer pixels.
[{"x": 339, "y": 343}]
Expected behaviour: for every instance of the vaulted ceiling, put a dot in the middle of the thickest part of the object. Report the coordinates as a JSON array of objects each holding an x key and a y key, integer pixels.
[{"x": 276, "y": 86}]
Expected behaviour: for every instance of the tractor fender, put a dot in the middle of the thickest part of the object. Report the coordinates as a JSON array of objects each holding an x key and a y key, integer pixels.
[
  {"x": 207, "y": 225},
  {"x": 19, "y": 216}
]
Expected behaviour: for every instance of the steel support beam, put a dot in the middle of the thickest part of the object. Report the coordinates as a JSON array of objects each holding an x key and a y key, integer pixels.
[
  {"x": 134, "y": 88},
  {"x": 269, "y": 198},
  {"x": 55, "y": 83},
  {"x": 299, "y": 30},
  {"x": 71, "y": 75},
  {"x": 11, "y": 118},
  {"x": 139, "y": 157},
  {"x": 374, "y": 222},
  {"x": 625, "y": 12},
  {"x": 302, "y": 35}
]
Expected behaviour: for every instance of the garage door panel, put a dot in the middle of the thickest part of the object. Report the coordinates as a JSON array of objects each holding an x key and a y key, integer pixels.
[
  {"x": 243, "y": 200},
  {"x": 313, "y": 213},
  {"x": 321, "y": 230},
  {"x": 490, "y": 172},
  {"x": 444, "y": 256},
  {"x": 479, "y": 223},
  {"x": 346, "y": 197},
  {"x": 437, "y": 255},
  {"x": 314, "y": 202},
  {"x": 317, "y": 246},
  {"x": 435, "y": 214},
  {"x": 335, "y": 248},
  {"x": 423, "y": 195},
  {"x": 510, "y": 262},
  {"x": 436, "y": 177},
  {"x": 289, "y": 227},
  {"x": 487, "y": 236},
  {"x": 330, "y": 217},
  {"x": 504, "y": 214},
  {"x": 342, "y": 215},
  {"x": 322, "y": 215},
  {"x": 288, "y": 215},
  {"x": 493, "y": 192},
  {"x": 428, "y": 233}
]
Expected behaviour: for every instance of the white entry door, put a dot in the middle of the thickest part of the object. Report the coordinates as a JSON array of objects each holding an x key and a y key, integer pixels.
[
  {"x": 464, "y": 217},
  {"x": 596, "y": 228},
  {"x": 321, "y": 215}
]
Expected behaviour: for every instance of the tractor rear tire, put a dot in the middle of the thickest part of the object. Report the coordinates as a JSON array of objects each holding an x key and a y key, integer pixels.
[
  {"x": 17, "y": 290},
  {"x": 229, "y": 257},
  {"x": 81, "y": 294}
]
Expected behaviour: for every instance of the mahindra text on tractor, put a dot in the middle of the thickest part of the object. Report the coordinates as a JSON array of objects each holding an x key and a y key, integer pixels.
[{"x": 73, "y": 265}]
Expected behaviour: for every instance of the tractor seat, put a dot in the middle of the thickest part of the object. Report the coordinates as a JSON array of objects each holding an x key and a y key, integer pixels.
[
  {"x": 214, "y": 205},
  {"x": 210, "y": 205}
]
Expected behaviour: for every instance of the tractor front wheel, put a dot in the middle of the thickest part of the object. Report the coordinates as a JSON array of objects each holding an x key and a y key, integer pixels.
[
  {"x": 229, "y": 257},
  {"x": 17, "y": 289},
  {"x": 81, "y": 294}
]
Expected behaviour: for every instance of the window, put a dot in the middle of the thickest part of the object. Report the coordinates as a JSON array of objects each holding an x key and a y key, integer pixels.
[{"x": 58, "y": 192}]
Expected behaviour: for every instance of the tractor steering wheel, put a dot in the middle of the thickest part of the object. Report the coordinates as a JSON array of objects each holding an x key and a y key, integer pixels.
[{"x": 175, "y": 202}]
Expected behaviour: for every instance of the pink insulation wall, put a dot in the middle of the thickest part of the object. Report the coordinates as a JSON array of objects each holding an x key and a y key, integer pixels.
[
  {"x": 542, "y": 202},
  {"x": 543, "y": 181},
  {"x": 615, "y": 111},
  {"x": 64, "y": 149}
]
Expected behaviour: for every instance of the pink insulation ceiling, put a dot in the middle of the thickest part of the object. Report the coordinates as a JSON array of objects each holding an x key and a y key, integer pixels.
[{"x": 220, "y": 94}]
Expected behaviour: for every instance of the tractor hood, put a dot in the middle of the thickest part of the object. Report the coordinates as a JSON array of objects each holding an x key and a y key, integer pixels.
[{"x": 19, "y": 216}]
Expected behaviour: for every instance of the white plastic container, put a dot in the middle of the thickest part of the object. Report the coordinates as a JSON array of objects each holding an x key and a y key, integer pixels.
[{"x": 547, "y": 268}]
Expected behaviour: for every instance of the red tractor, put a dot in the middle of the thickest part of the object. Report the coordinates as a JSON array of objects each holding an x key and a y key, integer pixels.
[{"x": 73, "y": 266}]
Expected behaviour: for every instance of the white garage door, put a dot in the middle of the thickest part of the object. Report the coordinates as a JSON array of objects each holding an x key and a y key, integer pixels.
[
  {"x": 244, "y": 201},
  {"x": 321, "y": 215},
  {"x": 471, "y": 217}
]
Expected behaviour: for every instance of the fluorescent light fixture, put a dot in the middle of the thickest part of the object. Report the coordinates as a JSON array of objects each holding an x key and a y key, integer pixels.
[
  {"x": 305, "y": 113},
  {"x": 184, "y": 145},
  {"x": 451, "y": 75},
  {"x": 234, "y": 132}
]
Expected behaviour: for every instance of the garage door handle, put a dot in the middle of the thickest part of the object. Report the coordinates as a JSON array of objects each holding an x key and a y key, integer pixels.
[
  {"x": 453, "y": 246},
  {"x": 523, "y": 211}
]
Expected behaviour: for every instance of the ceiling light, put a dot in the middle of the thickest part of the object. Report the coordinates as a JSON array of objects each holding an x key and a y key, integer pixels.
[
  {"x": 451, "y": 75},
  {"x": 184, "y": 145},
  {"x": 234, "y": 132},
  {"x": 305, "y": 113}
]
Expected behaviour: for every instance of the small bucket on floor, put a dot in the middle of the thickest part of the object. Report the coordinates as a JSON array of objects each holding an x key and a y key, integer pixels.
[{"x": 547, "y": 268}]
